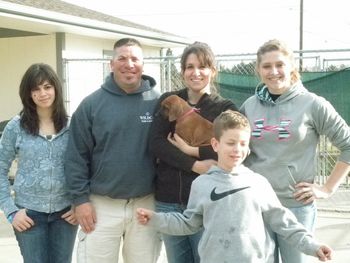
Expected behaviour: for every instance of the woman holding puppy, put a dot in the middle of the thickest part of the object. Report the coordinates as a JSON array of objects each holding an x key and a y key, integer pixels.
[{"x": 179, "y": 163}]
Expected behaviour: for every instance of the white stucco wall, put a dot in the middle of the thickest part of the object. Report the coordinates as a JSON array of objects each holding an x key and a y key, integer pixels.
[
  {"x": 82, "y": 78},
  {"x": 17, "y": 54}
]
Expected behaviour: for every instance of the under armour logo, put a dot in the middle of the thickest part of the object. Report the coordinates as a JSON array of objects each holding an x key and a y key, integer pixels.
[{"x": 282, "y": 129}]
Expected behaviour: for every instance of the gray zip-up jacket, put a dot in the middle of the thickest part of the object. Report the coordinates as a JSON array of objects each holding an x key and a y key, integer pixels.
[
  {"x": 40, "y": 183},
  {"x": 285, "y": 134},
  {"x": 234, "y": 208}
]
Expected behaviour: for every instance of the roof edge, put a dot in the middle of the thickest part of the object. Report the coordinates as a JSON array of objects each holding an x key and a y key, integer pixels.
[{"x": 41, "y": 15}]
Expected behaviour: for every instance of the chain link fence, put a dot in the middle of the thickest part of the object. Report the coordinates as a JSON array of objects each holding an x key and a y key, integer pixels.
[{"x": 167, "y": 71}]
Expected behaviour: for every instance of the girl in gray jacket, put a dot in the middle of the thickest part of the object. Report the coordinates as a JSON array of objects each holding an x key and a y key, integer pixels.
[{"x": 40, "y": 212}]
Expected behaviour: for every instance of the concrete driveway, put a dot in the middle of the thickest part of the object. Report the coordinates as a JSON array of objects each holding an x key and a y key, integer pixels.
[{"x": 332, "y": 228}]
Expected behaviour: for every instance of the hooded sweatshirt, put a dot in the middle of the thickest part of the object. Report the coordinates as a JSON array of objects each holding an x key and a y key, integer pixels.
[
  {"x": 39, "y": 182},
  {"x": 285, "y": 134},
  {"x": 234, "y": 208},
  {"x": 107, "y": 152}
]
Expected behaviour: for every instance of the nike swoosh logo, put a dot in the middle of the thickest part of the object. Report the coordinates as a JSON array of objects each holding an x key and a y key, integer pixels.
[{"x": 217, "y": 196}]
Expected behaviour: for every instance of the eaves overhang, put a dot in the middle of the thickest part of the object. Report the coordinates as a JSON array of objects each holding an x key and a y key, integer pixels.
[{"x": 42, "y": 21}]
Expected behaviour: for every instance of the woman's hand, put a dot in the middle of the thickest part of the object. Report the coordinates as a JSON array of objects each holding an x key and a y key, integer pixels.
[
  {"x": 69, "y": 216},
  {"x": 21, "y": 222},
  {"x": 181, "y": 144},
  {"x": 201, "y": 167},
  {"x": 307, "y": 192}
]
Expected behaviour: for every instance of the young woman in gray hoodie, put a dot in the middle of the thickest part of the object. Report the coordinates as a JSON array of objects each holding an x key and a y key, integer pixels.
[{"x": 287, "y": 121}]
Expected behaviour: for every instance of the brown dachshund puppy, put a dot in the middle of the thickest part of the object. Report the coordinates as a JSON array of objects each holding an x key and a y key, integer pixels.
[{"x": 190, "y": 126}]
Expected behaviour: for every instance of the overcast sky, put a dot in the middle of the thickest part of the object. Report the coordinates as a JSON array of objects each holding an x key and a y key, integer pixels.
[{"x": 232, "y": 27}]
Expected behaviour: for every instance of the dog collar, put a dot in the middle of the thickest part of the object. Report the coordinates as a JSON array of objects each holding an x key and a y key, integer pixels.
[{"x": 183, "y": 116}]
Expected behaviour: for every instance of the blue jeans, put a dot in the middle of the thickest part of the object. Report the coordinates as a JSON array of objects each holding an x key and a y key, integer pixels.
[
  {"x": 306, "y": 215},
  {"x": 50, "y": 240},
  {"x": 179, "y": 249}
]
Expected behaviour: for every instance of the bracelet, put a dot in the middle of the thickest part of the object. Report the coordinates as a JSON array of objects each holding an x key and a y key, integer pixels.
[{"x": 11, "y": 216}]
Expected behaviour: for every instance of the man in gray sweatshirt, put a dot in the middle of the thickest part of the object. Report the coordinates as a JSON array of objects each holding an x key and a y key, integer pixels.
[{"x": 108, "y": 167}]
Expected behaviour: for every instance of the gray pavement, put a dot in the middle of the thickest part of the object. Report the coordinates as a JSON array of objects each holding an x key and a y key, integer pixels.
[
  {"x": 339, "y": 202},
  {"x": 10, "y": 253},
  {"x": 333, "y": 228},
  {"x": 333, "y": 225}
]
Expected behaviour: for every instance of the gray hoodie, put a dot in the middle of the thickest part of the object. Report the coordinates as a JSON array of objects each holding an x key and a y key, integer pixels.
[
  {"x": 39, "y": 182},
  {"x": 107, "y": 152},
  {"x": 233, "y": 208},
  {"x": 285, "y": 134}
]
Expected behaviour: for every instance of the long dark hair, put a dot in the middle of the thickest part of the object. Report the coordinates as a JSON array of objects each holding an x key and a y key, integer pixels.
[{"x": 35, "y": 75}]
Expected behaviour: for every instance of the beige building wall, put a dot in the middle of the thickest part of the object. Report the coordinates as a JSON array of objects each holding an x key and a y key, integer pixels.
[
  {"x": 81, "y": 77},
  {"x": 17, "y": 54}
]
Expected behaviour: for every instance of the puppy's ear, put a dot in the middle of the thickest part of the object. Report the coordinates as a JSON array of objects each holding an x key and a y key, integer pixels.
[
  {"x": 164, "y": 108},
  {"x": 171, "y": 107},
  {"x": 164, "y": 112},
  {"x": 175, "y": 111}
]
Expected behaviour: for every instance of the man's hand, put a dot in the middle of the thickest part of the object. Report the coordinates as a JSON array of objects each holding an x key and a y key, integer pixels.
[{"x": 86, "y": 216}]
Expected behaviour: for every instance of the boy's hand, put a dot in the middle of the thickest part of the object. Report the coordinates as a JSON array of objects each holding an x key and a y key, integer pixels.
[
  {"x": 144, "y": 215},
  {"x": 324, "y": 253}
]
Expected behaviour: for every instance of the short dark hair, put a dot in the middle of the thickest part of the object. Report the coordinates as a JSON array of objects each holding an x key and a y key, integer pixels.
[
  {"x": 35, "y": 75},
  {"x": 229, "y": 119},
  {"x": 128, "y": 41}
]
